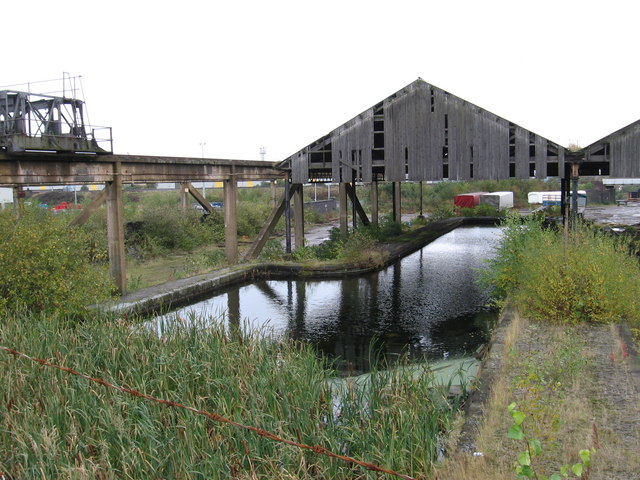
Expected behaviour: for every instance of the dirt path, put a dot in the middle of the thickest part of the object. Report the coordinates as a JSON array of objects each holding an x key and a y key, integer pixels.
[{"x": 580, "y": 388}]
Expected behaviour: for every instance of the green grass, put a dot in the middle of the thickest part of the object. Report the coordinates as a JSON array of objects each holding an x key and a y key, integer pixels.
[{"x": 56, "y": 425}]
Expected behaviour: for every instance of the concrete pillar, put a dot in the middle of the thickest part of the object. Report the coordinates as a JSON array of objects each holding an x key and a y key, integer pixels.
[
  {"x": 115, "y": 230},
  {"x": 374, "y": 203},
  {"x": 184, "y": 195},
  {"x": 18, "y": 200},
  {"x": 342, "y": 199},
  {"x": 231, "y": 220},
  {"x": 274, "y": 199},
  {"x": 298, "y": 217},
  {"x": 397, "y": 201}
]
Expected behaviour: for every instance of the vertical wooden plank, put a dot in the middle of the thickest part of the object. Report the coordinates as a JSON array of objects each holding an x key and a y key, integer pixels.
[
  {"x": 522, "y": 153},
  {"x": 541, "y": 157},
  {"x": 342, "y": 200},
  {"x": 374, "y": 202},
  {"x": 298, "y": 217}
]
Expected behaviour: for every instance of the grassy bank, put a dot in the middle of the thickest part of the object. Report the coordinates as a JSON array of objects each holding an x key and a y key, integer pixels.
[
  {"x": 578, "y": 390},
  {"x": 60, "y": 426}
]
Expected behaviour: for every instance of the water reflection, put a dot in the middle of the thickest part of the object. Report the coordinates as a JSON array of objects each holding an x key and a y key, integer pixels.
[{"x": 428, "y": 304}]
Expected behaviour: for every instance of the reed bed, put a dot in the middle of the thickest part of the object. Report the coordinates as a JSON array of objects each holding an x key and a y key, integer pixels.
[{"x": 56, "y": 425}]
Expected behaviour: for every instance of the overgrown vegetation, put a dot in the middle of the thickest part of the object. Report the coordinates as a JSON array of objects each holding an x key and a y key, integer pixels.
[
  {"x": 56, "y": 425},
  {"x": 588, "y": 276},
  {"x": 357, "y": 245},
  {"x": 48, "y": 267}
]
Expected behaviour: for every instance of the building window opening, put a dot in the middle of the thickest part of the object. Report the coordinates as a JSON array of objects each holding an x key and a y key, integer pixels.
[
  {"x": 433, "y": 101},
  {"x": 532, "y": 169},
  {"x": 532, "y": 144},
  {"x": 512, "y": 170}
]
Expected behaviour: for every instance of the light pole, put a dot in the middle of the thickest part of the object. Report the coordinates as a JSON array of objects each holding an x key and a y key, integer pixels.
[{"x": 204, "y": 188}]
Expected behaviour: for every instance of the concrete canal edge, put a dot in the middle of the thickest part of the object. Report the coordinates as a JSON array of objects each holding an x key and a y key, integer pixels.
[
  {"x": 491, "y": 358},
  {"x": 161, "y": 298}
]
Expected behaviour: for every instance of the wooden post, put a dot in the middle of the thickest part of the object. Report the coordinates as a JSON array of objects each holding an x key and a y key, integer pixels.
[
  {"x": 374, "y": 203},
  {"x": 287, "y": 215},
  {"x": 397, "y": 202},
  {"x": 115, "y": 230},
  {"x": 231, "y": 220},
  {"x": 342, "y": 199},
  {"x": 89, "y": 210},
  {"x": 354, "y": 211},
  {"x": 298, "y": 217},
  {"x": 421, "y": 200}
]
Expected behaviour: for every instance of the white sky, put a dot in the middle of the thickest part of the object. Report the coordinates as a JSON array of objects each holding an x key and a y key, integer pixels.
[{"x": 239, "y": 75}]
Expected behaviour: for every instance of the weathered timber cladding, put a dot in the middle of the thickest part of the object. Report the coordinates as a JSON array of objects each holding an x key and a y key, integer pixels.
[
  {"x": 423, "y": 133},
  {"x": 521, "y": 152},
  {"x": 621, "y": 150}
]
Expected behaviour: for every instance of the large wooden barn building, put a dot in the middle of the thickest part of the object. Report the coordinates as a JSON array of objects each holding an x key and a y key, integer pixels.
[{"x": 423, "y": 133}]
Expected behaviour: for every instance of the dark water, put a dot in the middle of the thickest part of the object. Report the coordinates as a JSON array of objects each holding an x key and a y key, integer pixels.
[{"x": 426, "y": 305}]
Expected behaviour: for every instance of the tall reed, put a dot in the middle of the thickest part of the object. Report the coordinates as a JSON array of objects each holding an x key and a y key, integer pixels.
[{"x": 55, "y": 425}]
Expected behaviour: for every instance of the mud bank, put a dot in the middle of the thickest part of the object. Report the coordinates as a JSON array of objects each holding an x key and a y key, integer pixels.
[{"x": 171, "y": 294}]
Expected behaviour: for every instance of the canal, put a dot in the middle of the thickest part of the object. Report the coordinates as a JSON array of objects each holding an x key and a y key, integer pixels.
[{"x": 427, "y": 305}]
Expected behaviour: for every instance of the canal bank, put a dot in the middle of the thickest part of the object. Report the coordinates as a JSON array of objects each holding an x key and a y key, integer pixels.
[
  {"x": 163, "y": 297},
  {"x": 579, "y": 387}
]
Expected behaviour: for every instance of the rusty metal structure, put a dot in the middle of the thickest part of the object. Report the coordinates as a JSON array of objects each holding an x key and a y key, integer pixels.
[{"x": 35, "y": 122}]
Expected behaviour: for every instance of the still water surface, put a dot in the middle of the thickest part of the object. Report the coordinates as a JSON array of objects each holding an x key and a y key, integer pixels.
[{"x": 428, "y": 304}]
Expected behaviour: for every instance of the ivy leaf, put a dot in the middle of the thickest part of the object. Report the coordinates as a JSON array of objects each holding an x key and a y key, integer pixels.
[
  {"x": 555, "y": 476},
  {"x": 515, "y": 432}
]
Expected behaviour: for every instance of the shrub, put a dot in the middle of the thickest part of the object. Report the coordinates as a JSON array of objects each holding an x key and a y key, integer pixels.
[
  {"x": 588, "y": 277},
  {"x": 45, "y": 267}
]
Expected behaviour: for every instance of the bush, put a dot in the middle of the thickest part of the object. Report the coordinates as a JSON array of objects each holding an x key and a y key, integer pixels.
[
  {"x": 45, "y": 267},
  {"x": 589, "y": 277}
]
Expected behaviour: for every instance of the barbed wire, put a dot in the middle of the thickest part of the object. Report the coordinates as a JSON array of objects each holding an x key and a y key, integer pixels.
[{"x": 213, "y": 416}]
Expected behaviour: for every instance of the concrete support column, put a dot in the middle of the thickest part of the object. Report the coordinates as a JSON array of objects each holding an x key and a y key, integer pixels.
[
  {"x": 397, "y": 201},
  {"x": 115, "y": 230},
  {"x": 18, "y": 200},
  {"x": 374, "y": 203},
  {"x": 184, "y": 195},
  {"x": 298, "y": 217},
  {"x": 231, "y": 220},
  {"x": 342, "y": 199},
  {"x": 274, "y": 200}
]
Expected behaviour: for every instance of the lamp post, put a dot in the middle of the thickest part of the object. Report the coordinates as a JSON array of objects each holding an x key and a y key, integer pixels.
[{"x": 204, "y": 189}]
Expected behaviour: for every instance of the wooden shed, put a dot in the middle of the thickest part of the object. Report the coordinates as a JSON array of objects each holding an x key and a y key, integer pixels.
[{"x": 423, "y": 133}]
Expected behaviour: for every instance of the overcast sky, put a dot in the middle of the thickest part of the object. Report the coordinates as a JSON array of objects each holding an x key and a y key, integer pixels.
[{"x": 240, "y": 75}]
